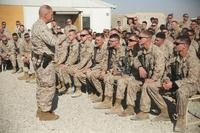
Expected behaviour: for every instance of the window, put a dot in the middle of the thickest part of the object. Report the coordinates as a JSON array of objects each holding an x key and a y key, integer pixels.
[{"x": 86, "y": 22}]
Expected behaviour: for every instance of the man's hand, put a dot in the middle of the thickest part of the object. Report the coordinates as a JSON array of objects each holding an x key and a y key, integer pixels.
[
  {"x": 142, "y": 72},
  {"x": 167, "y": 84},
  {"x": 102, "y": 75}
]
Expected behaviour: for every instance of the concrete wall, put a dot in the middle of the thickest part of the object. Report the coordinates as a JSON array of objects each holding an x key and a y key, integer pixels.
[
  {"x": 100, "y": 18},
  {"x": 30, "y": 16}
]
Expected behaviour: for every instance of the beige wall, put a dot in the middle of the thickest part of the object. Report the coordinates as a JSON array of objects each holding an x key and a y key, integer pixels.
[{"x": 11, "y": 14}]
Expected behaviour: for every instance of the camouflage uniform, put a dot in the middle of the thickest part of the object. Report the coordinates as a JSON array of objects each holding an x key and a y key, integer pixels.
[
  {"x": 184, "y": 72},
  {"x": 100, "y": 65},
  {"x": 44, "y": 42},
  {"x": 72, "y": 59},
  {"x": 85, "y": 62},
  {"x": 26, "y": 53},
  {"x": 6, "y": 50},
  {"x": 194, "y": 48},
  {"x": 116, "y": 58},
  {"x": 153, "y": 61},
  {"x": 131, "y": 82}
]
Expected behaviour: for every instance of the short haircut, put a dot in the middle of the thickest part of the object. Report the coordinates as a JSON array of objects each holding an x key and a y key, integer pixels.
[
  {"x": 144, "y": 22},
  {"x": 26, "y": 34},
  {"x": 148, "y": 32},
  {"x": 44, "y": 7},
  {"x": 72, "y": 30},
  {"x": 161, "y": 35},
  {"x": 100, "y": 35},
  {"x": 14, "y": 34},
  {"x": 115, "y": 36},
  {"x": 184, "y": 39}
]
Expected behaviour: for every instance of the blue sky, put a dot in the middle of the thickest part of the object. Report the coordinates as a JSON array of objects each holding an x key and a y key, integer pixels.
[{"x": 178, "y": 7}]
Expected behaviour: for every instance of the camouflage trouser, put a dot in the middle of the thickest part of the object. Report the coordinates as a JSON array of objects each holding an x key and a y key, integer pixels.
[
  {"x": 109, "y": 84},
  {"x": 65, "y": 74},
  {"x": 79, "y": 78},
  {"x": 93, "y": 77},
  {"x": 151, "y": 90},
  {"x": 28, "y": 67},
  {"x": 45, "y": 78},
  {"x": 132, "y": 89},
  {"x": 13, "y": 60},
  {"x": 19, "y": 61},
  {"x": 182, "y": 95}
]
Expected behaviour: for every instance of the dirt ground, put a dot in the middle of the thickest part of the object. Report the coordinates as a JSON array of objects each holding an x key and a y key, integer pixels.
[{"x": 18, "y": 109}]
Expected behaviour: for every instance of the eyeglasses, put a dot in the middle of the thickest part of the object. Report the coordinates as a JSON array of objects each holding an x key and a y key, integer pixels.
[
  {"x": 26, "y": 36},
  {"x": 83, "y": 35},
  {"x": 131, "y": 40},
  {"x": 176, "y": 43},
  {"x": 143, "y": 37}
]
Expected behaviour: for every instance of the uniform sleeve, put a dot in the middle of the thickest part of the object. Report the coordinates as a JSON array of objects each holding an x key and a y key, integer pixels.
[
  {"x": 86, "y": 57},
  {"x": 193, "y": 73},
  {"x": 72, "y": 59},
  {"x": 159, "y": 65},
  {"x": 47, "y": 36}
]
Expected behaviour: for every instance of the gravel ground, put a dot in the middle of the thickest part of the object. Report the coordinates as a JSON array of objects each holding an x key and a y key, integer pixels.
[{"x": 18, "y": 108}]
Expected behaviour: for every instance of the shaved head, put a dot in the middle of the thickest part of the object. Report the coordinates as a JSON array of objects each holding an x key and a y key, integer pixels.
[{"x": 45, "y": 13}]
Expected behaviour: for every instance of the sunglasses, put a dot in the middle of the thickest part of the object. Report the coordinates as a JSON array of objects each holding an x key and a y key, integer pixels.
[
  {"x": 177, "y": 43},
  {"x": 131, "y": 40},
  {"x": 83, "y": 35},
  {"x": 143, "y": 37}
]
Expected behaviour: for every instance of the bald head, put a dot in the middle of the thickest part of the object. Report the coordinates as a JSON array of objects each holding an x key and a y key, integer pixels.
[{"x": 45, "y": 13}]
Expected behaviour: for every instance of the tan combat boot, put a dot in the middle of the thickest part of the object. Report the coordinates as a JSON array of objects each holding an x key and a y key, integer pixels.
[
  {"x": 62, "y": 89},
  {"x": 97, "y": 99},
  {"x": 77, "y": 93},
  {"x": 14, "y": 70},
  {"x": 31, "y": 77},
  {"x": 38, "y": 112},
  {"x": 180, "y": 124},
  {"x": 127, "y": 112},
  {"x": 141, "y": 116},
  {"x": 163, "y": 116},
  {"x": 106, "y": 104},
  {"x": 47, "y": 116},
  {"x": 117, "y": 108},
  {"x": 24, "y": 77}
]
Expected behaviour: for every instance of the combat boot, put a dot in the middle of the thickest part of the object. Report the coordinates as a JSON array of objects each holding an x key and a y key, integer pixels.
[
  {"x": 117, "y": 108},
  {"x": 106, "y": 104},
  {"x": 24, "y": 77},
  {"x": 62, "y": 89},
  {"x": 180, "y": 124},
  {"x": 163, "y": 116},
  {"x": 47, "y": 116},
  {"x": 127, "y": 112},
  {"x": 141, "y": 116},
  {"x": 31, "y": 77},
  {"x": 38, "y": 112},
  {"x": 77, "y": 93},
  {"x": 96, "y": 99},
  {"x": 14, "y": 70}
]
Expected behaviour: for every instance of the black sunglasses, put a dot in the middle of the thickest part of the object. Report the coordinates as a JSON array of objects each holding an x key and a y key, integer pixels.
[
  {"x": 131, "y": 40},
  {"x": 83, "y": 35},
  {"x": 143, "y": 37}
]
